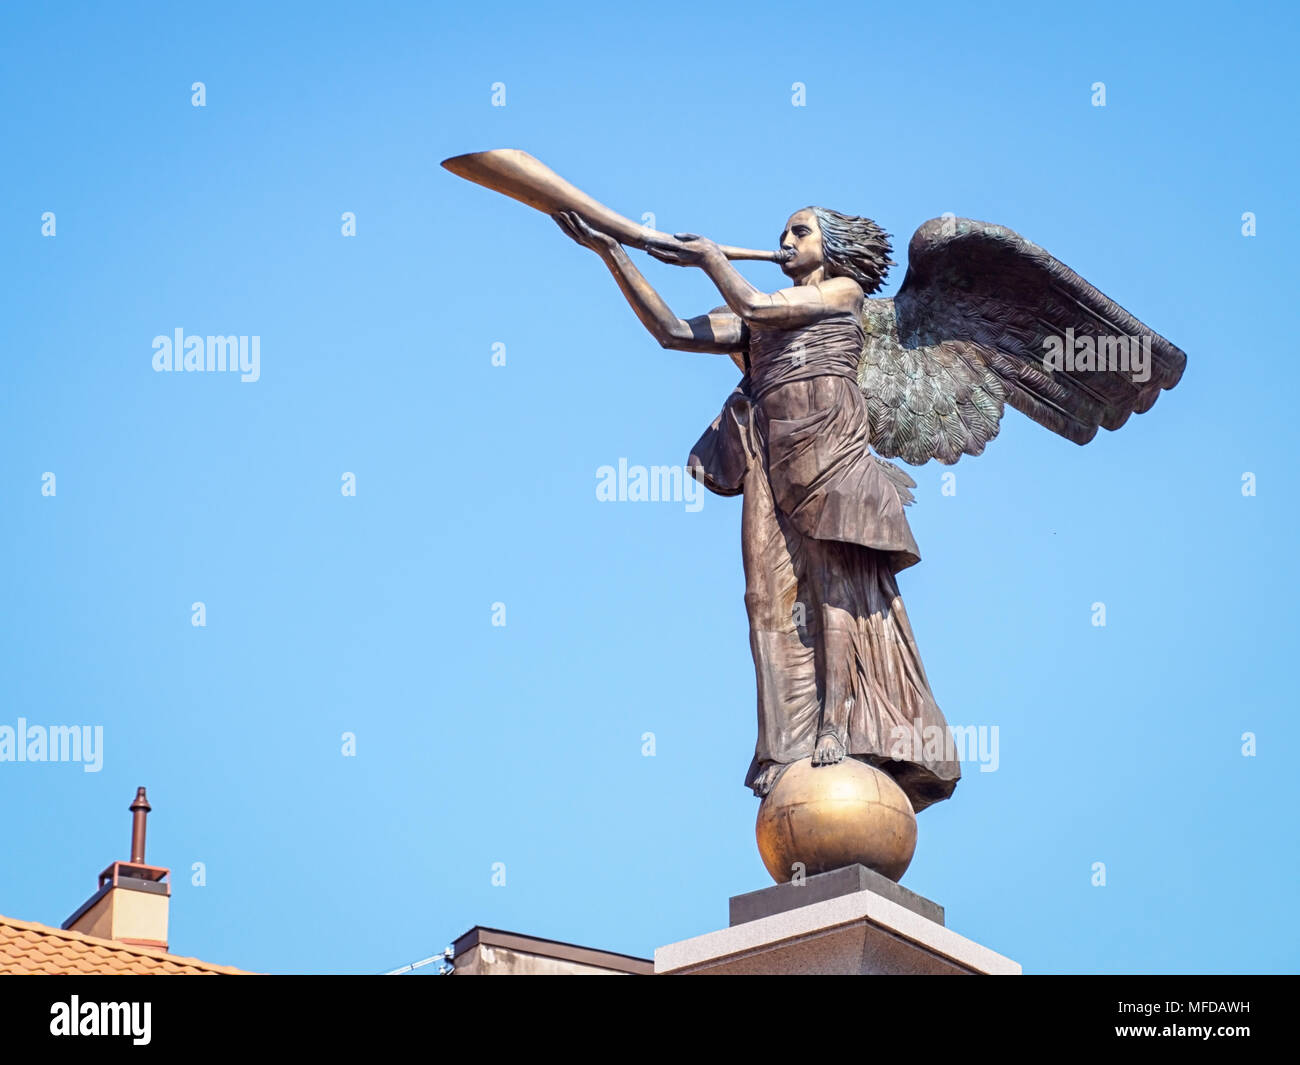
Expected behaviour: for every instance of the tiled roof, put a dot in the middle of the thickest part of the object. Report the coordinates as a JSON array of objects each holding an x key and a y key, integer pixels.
[{"x": 30, "y": 948}]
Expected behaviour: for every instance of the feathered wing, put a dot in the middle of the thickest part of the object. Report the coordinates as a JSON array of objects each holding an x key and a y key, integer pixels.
[{"x": 979, "y": 310}]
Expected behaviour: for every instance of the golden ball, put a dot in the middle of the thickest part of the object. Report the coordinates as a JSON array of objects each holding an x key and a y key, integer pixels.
[{"x": 831, "y": 816}]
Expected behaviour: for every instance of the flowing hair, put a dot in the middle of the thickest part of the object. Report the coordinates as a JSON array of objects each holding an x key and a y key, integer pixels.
[{"x": 854, "y": 247}]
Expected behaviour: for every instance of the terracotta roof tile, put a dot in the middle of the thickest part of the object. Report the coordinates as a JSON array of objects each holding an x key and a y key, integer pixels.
[{"x": 30, "y": 948}]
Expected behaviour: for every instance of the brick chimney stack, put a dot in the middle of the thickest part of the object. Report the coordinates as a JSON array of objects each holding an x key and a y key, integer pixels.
[{"x": 131, "y": 901}]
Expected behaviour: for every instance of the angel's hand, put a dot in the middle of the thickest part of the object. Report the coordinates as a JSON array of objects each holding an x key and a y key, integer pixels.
[
  {"x": 576, "y": 227},
  {"x": 685, "y": 249}
]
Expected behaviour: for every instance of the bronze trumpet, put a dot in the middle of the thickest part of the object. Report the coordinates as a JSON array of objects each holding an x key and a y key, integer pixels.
[{"x": 528, "y": 180}]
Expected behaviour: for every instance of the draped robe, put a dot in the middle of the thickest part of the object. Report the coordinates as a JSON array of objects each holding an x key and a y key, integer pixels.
[{"x": 823, "y": 534}]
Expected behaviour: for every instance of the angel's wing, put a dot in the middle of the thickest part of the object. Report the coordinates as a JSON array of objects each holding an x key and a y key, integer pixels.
[{"x": 985, "y": 317}]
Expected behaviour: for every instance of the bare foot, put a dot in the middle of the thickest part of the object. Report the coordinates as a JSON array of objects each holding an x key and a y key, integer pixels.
[
  {"x": 829, "y": 750},
  {"x": 764, "y": 781}
]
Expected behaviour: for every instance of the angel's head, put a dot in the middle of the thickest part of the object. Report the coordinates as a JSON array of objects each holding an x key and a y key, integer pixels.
[{"x": 843, "y": 245}]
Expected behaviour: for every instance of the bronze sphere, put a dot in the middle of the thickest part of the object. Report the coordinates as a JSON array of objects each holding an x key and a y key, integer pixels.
[{"x": 835, "y": 815}]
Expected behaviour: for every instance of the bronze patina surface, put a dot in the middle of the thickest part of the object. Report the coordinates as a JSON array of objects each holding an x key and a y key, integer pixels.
[{"x": 835, "y": 383}]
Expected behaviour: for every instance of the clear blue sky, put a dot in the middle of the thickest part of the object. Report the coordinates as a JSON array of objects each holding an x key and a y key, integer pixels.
[{"x": 476, "y": 484}]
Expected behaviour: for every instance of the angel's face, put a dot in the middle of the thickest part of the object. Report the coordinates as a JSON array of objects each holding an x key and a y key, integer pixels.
[{"x": 802, "y": 243}]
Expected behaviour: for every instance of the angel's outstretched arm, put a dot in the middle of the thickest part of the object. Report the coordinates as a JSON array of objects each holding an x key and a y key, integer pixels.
[
  {"x": 787, "y": 308},
  {"x": 719, "y": 332}
]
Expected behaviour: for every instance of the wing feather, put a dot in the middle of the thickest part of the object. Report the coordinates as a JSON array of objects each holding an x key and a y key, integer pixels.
[{"x": 985, "y": 317}]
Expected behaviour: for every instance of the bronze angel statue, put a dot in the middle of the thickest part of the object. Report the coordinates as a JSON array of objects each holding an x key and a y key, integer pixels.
[{"x": 836, "y": 382}]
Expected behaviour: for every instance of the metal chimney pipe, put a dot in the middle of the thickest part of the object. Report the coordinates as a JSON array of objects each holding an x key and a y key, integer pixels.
[{"x": 139, "y": 811}]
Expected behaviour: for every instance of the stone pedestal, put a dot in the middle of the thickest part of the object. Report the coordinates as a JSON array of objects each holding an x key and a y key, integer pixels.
[{"x": 848, "y": 929}]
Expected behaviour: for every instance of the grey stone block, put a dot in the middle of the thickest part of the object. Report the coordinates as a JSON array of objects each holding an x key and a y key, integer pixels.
[
  {"x": 780, "y": 898},
  {"x": 860, "y": 933}
]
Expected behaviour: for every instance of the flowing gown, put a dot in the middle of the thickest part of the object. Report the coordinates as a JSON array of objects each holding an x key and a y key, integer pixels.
[{"x": 823, "y": 534}]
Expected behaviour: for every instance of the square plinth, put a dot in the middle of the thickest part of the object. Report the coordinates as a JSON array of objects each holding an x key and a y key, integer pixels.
[
  {"x": 782, "y": 897},
  {"x": 860, "y": 933}
]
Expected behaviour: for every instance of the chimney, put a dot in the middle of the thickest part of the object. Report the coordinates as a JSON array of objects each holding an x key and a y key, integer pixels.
[{"x": 130, "y": 904}]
